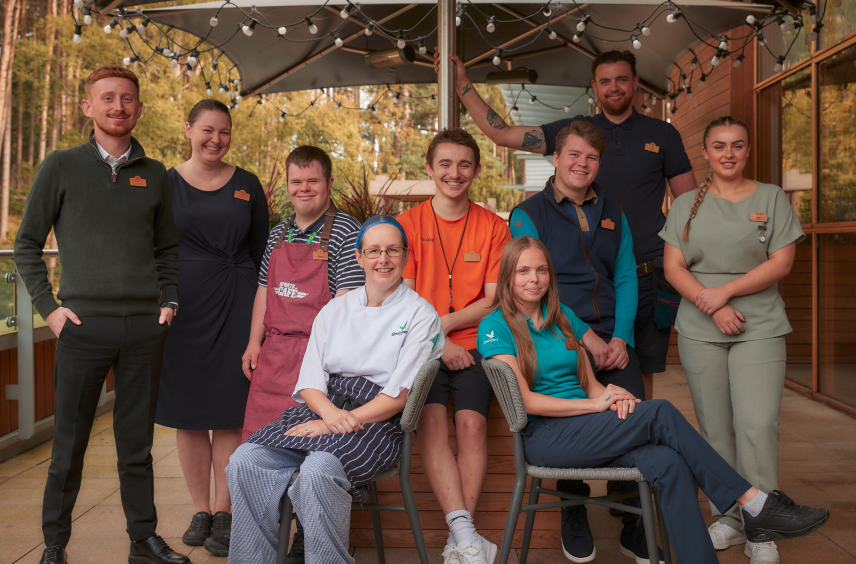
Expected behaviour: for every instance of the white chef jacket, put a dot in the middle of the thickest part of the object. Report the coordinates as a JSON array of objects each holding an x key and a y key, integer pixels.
[{"x": 386, "y": 345}]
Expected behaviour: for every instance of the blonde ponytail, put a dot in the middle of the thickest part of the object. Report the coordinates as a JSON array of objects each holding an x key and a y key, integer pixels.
[{"x": 699, "y": 196}]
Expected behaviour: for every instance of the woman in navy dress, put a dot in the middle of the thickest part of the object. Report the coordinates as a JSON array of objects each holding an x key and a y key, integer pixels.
[{"x": 222, "y": 219}]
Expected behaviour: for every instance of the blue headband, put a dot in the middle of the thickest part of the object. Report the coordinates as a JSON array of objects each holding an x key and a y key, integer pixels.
[{"x": 379, "y": 220}]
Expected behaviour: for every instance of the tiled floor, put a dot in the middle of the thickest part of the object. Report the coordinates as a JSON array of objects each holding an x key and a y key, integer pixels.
[{"x": 818, "y": 466}]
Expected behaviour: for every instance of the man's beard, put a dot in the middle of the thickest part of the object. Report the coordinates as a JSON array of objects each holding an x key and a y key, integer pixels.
[
  {"x": 620, "y": 109},
  {"x": 116, "y": 129}
]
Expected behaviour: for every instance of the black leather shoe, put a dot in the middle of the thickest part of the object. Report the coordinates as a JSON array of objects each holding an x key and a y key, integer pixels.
[
  {"x": 154, "y": 550},
  {"x": 199, "y": 530},
  {"x": 295, "y": 553},
  {"x": 54, "y": 555},
  {"x": 218, "y": 543},
  {"x": 781, "y": 518},
  {"x": 577, "y": 542},
  {"x": 634, "y": 544}
]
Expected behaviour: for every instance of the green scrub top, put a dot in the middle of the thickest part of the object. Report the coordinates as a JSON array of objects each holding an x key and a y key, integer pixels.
[{"x": 724, "y": 244}]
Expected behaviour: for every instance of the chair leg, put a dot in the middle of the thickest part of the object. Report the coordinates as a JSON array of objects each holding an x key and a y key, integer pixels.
[
  {"x": 284, "y": 528},
  {"x": 530, "y": 519},
  {"x": 413, "y": 516},
  {"x": 664, "y": 534},
  {"x": 648, "y": 520},
  {"x": 378, "y": 533},
  {"x": 513, "y": 514}
]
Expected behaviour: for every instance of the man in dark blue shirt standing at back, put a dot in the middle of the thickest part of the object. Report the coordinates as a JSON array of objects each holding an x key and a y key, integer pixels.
[{"x": 642, "y": 154}]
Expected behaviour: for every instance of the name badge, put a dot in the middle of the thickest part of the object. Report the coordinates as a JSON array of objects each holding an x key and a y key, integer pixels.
[
  {"x": 569, "y": 345},
  {"x": 758, "y": 216},
  {"x": 320, "y": 255},
  {"x": 652, "y": 147},
  {"x": 138, "y": 181},
  {"x": 608, "y": 224},
  {"x": 242, "y": 195},
  {"x": 472, "y": 256}
]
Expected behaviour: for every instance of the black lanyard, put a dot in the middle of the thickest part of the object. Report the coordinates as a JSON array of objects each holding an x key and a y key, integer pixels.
[{"x": 439, "y": 238}]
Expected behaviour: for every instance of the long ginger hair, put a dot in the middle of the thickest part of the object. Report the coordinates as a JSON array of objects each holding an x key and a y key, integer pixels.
[
  {"x": 724, "y": 121},
  {"x": 555, "y": 319}
]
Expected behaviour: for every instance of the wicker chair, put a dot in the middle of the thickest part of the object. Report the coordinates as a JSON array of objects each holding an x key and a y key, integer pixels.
[
  {"x": 410, "y": 416},
  {"x": 507, "y": 391}
]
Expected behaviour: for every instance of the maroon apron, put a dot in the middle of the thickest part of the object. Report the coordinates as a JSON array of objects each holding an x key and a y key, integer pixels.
[{"x": 297, "y": 289}]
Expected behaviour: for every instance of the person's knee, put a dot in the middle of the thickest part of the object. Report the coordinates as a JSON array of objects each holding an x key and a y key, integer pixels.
[
  {"x": 666, "y": 463},
  {"x": 470, "y": 428},
  {"x": 321, "y": 469},
  {"x": 240, "y": 461},
  {"x": 433, "y": 424},
  {"x": 756, "y": 427}
]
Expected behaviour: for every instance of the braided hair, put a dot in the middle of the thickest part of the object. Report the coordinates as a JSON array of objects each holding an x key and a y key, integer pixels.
[{"x": 724, "y": 121}]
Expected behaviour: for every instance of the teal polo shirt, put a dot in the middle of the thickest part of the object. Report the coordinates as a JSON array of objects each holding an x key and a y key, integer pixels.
[{"x": 557, "y": 366}]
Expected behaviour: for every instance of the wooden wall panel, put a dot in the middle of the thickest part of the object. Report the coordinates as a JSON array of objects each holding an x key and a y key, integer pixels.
[{"x": 44, "y": 361}]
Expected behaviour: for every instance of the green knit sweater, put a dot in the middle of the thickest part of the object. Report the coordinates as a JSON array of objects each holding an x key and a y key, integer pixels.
[{"x": 118, "y": 245}]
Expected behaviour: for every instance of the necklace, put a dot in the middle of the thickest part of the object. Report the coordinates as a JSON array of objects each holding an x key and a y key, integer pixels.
[{"x": 461, "y": 242}]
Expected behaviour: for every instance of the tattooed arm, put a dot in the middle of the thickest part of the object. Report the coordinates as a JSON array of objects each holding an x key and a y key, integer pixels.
[{"x": 518, "y": 137}]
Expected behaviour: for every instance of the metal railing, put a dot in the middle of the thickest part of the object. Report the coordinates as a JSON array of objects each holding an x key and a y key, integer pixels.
[{"x": 22, "y": 322}]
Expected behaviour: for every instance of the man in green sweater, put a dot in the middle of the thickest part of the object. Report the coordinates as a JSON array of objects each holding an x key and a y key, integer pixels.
[{"x": 111, "y": 209}]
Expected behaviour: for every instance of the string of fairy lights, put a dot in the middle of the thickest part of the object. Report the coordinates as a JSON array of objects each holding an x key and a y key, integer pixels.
[{"x": 156, "y": 40}]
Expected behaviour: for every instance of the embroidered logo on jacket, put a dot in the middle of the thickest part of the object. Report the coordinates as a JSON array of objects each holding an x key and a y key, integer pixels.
[
  {"x": 490, "y": 338},
  {"x": 287, "y": 290},
  {"x": 402, "y": 330}
]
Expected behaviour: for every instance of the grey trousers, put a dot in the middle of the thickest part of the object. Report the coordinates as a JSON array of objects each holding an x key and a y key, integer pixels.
[
  {"x": 258, "y": 476},
  {"x": 737, "y": 396}
]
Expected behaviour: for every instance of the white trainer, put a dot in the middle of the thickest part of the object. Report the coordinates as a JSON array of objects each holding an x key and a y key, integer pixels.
[
  {"x": 762, "y": 552},
  {"x": 724, "y": 536},
  {"x": 450, "y": 555},
  {"x": 471, "y": 554}
]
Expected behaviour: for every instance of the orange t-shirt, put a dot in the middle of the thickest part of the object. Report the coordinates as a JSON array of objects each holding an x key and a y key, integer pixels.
[{"x": 477, "y": 263}]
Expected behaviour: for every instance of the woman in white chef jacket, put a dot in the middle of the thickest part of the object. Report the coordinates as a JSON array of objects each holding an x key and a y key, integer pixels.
[{"x": 364, "y": 352}]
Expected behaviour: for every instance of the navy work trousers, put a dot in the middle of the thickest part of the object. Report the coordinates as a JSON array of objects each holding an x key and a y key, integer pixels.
[{"x": 657, "y": 440}]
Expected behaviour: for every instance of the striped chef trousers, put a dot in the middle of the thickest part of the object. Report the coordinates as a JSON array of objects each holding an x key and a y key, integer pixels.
[{"x": 258, "y": 477}]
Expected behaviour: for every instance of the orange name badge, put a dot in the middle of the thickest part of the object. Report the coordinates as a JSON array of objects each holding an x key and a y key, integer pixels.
[
  {"x": 472, "y": 256},
  {"x": 652, "y": 147},
  {"x": 320, "y": 255},
  {"x": 519, "y": 224},
  {"x": 241, "y": 195},
  {"x": 608, "y": 224},
  {"x": 758, "y": 216},
  {"x": 138, "y": 181},
  {"x": 569, "y": 345}
]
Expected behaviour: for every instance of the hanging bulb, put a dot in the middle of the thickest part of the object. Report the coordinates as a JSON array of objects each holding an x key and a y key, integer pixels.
[
  {"x": 576, "y": 38},
  {"x": 248, "y": 29},
  {"x": 646, "y": 31},
  {"x": 128, "y": 60},
  {"x": 125, "y": 32},
  {"x": 653, "y": 101},
  {"x": 532, "y": 100},
  {"x": 693, "y": 64},
  {"x": 78, "y": 38},
  {"x": 550, "y": 33},
  {"x": 167, "y": 52},
  {"x": 636, "y": 43},
  {"x": 338, "y": 105},
  {"x": 237, "y": 106},
  {"x": 458, "y": 17},
  {"x": 401, "y": 43},
  {"x": 738, "y": 60},
  {"x": 188, "y": 69},
  {"x": 238, "y": 97},
  {"x": 282, "y": 116},
  {"x": 701, "y": 80},
  {"x": 109, "y": 27},
  {"x": 546, "y": 10},
  {"x": 192, "y": 59},
  {"x": 567, "y": 109},
  {"x": 491, "y": 24},
  {"x": 313, "y": 29},
  {"x": 208, "y": 91},
  {"x": 715, "y": 60},
  {"x": 673, "y": 17},
  {"x": 591, "y": 101},
  {"x": 581, "y": 25},
  {"x": 346, "y": 11},
  {"x": 422, "y": 48},
  {"x": 261, "y": 101},
  {"x": 815, "y": 32},
  {"x": 78, "y": 3},
  {"x": 689, "y": 93},
  {"x": 761, "y": 40},
  {"x": 369, "y": 29},
  {"x": 141, "y": 27},
  {"x": 647, "y": 110},
  {"x": 750, "y": 19},
  {"x": 338, "y": 40},
  {"x": 685, "y": 79},
  {"x": 222, "y": 89},
  {"x": 282, "y": 30},
  {"x": 813, "y": 18},
  {"x": 87, "y": 16},
  {"x": 723, "y": 45},
  {"x": 780, "y": 63},
  {"x": 213, "y": 21},
  {"x": 497, "y": 57},
  {"x": 173, "y": 62},
  {"x": 372, "y": 108}
]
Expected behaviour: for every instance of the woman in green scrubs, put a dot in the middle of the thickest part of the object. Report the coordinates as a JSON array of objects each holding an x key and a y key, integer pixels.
[{"x": 727, "y": 246}]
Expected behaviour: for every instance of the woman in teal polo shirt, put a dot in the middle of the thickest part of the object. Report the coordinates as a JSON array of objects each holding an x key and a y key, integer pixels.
[{"x": 572, "y": 425}]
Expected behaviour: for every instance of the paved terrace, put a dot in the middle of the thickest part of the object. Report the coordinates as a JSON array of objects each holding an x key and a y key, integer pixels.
[{"x": 818, "y": 466}]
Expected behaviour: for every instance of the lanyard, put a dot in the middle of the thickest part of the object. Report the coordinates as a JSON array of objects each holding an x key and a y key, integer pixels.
[
  {"x": 449, "y": 270},
  {"x": 291, "y": 231}
]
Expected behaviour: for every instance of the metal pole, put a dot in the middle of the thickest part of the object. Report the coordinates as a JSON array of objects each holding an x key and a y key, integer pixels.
[
  {"x": 446, "y": 78},
  {"x": 24, "y": 392}
]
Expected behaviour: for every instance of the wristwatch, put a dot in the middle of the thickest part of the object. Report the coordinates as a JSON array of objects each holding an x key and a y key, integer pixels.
[{"x": 172, "y": 305}]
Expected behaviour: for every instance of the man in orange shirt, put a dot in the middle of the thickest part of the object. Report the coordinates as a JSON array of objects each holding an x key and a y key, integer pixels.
[{"x": 455, "y": 247}]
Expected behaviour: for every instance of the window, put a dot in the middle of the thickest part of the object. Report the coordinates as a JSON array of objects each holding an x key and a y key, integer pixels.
[
  {"x": 794, "y": 45},
  {"x": 837, "y": 312}
]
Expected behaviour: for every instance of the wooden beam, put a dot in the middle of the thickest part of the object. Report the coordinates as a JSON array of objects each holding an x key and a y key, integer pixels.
[
  {"x": 309, "y": 60},
  {"x": 112, "y": 5}
]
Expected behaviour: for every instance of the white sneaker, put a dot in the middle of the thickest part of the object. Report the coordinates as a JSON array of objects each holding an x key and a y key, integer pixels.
[
  {"x": 470, "y": 553},
  {"x": 450, "y": 555},
  {"x": 724, "y": 536},
  {"x": 762, "y": 552}
]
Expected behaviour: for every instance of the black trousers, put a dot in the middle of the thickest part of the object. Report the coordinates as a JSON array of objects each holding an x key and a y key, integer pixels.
[
  {"x": 133, "y": 347},
  {"x": 629, "y": 378}
]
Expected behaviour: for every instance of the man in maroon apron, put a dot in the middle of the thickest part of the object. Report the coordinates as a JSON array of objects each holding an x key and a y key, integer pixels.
[{"x": 308, "y": 261}]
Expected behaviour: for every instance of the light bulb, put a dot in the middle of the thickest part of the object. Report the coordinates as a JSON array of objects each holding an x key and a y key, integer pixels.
[
  {"x": 282, "y": 117},
  {"x": 813, "y": 19},
  {"x": 346, "y": 11},
  {"x": 248, "y": 29},
  {"x": 700, "y": 83},
  {"x": 313, "y": 29},
  {"x": 458, "y": 17},
  {"x": 338, "y": 41},
  {"x": 673, "y": 17},
  {"x": 208, "y": 91},
  {"x": 126, "y": 61},
  {"x": 422, "y": 48},
  {"x": 646, "y": 31},
  {"x": 647, "y": 110},
  {"x": 581, "y": 26},
  {"x": 496, "y": 58},
  {"x": 108, "y": 28},
  {"x": 812, "y": 36},
  {"x": 282, "y": 30},
  {"x": 78, "y": 3},
  {"x": 77, "y": 38},
  {"x": 590, "y": 101},
  {"x": 714, "y": 61},
  {"x": 750, "y": 19},
  {"x": 723, "y": 45},
  {"x": 238, "y": 97},
  {"x": 338, "y": 105},
  {"x": 689, "y": 94},
  {"x": 547, "y": 11},
  {"x": 261, "y": 101},
  {"x": 636, "y": 43},
  {"x": 369, "y": 29},
  {"x": 693, "y": 64},
  {"x": 738, "y": 60},
  {"x": 491, "y": 25},
  {"x": 532, "y": 100},
  {"x": 237, "y": 106},
  {"x": 87, "y": 19},
  {"x": 567, "y": 109},
  {"x": 222, "y": 89},
  {"x": 761, "y": 40},
  {"x": 551, "y": 34},
  {"x": 124, "y": 32},
  {"x": 401, "y": 43},
  {"x": 213, "y": 21},
  {"x": 167, "y": 52},
  {"x": 189, "y": 71},
  {"x": 576, "y": 38},
  {"x": 173, "y": 63},
  {"x": 653, "y": 101},
  {"x": 670, "y": 18},
  {"x": 779, "y": 64},
  {"x": 191, "y": 60}
]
